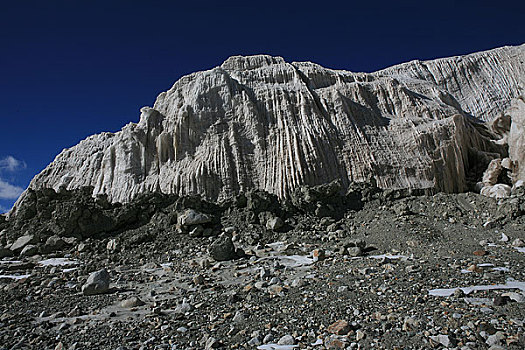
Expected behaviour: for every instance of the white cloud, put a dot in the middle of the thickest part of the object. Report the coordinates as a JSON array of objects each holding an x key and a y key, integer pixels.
[
  {"x": 3, "y": 209},
  {"x": 8, "y": 191},
  {"x": 10, "y": 163}
]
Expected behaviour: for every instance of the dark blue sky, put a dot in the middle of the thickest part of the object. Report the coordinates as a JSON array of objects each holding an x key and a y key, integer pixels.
[{"x": 73, "y": 68}]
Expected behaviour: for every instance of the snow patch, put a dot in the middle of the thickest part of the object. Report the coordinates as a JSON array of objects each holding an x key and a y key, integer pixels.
[
  {"x": 446, "y": 292},
  {"x": 58, "y": 262},
  {"x": 14, "y": 277}
]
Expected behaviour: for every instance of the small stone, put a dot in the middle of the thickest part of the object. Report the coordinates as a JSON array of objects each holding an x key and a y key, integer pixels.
[
  {"x": 274, "y": 280},
  {"x": 480, "y": 252},
  {"x": 268, "y": 338},
  {"x": 286, "y": 340},
  {"x": 274, "y": 224},
  {"x": 458, "y": 293},
  {"x": 339, "y": 327},
  {"x": 334, "y": 342},
  {"x": 518, "y": 243},
  {"x": 504, "y": 237},
  {"x": 318, "y": 254},
  {"x": 359, "y": 334},
  {"x": 255, "y": 341},
  {"x": 354, "y": 251},
  {"x": 474, "y": 268},
  {"x": 97, "y": 283},
  {"x": 275, "y": 289},
  {"x": 198, "y": 280},
  {"x": 264, "y": 274},
  {"x": 212, "y": 343},
  {"x": 113, "y": 245},
  {"x": 298, "y": 282},
  {"x": 222, "y": 249},
  {"x": 238, "y": 318},
  {"x": 82, "y": 247},
  {"x": 495, "y": 339},
  {"x": 52, "y": 244},
  {"x": 184, "y": 307},
  {"x": 342, "y": 289},
  {"x": 410, "y": 324},
  {"x": 131, "y": 303},
  {"x": 444, "y": 340}
]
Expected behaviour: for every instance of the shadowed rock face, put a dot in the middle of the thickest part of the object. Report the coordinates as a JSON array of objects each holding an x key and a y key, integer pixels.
[{"x": 261, "y": 123}]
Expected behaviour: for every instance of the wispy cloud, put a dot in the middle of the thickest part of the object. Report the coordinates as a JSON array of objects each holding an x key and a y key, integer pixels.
[
  {"x": 8, "y": 191},
  {"x": 11, "y": 164},
  {"x": 3, "y": 209}
]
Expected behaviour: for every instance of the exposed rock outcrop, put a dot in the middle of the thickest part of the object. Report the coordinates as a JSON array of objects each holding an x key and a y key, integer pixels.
[{"x": 261, "y": 123}]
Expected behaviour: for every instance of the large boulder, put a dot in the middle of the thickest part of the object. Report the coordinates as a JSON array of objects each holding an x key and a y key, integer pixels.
[
  {"x": 22, "y": 242},
  {"x": 97, "y": 283}
]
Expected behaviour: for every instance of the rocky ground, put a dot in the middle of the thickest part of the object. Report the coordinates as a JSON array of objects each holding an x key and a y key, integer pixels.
[{"x": 368, "y": 269}]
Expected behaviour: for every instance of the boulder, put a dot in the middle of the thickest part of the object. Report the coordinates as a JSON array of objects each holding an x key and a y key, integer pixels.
[
  {"x": 53, "y": 243},
  {"x": 21, "y": 242},
  {"x": 223, "y": 249},
  {"x": 274, "y": 223},
  {"x": 29, "y": 250},
  {"x": 497, "y": 191},
  {"x": 191, "y": 217},
  {"x": 97, "y": 283}
]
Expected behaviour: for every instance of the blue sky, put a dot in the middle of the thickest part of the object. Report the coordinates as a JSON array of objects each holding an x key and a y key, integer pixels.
[{"x": 73, "y": 68}]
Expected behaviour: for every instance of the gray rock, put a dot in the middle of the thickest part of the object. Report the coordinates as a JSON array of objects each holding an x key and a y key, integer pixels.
[
  {"x": 354, "y": 251},
  {"x": 268, "y": 338},
  {"x": 21, "y": 242},
  {"x": 497, "y": 191},
  {"x": 274, "y": 224},
  {"x": 212, "y": 343},
  {"x": 53, "y": 244},
  {"x": 191, "y": 217},
  {"x": 518, "y": 243},
  {"x": 239, "y": 318},
  {"x": 255, "y": 341},
  {"x": 131, "y": 302},
  {"x": 286, "y": 340},
  {"x": 495, "y": 339},
  {"x": 444, "y": 340},
  {"x": 222, "y": 249},
  {"x": 113, "y": 245},
  {"x": 29, "y": 250},
  {"x": 353, "y": 243},
  {"x": 97, "y": 283},
  {"x": 184, "y": 307}
]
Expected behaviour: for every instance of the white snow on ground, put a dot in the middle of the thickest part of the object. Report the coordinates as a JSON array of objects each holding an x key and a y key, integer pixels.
[
  {"x": 386, "y": 256},
  {"x": 14, "y": 277},
  {"x": 276, "y": 347},
  {"x": 446, "y": 292},
  {"x": 58, "y": 262}
]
